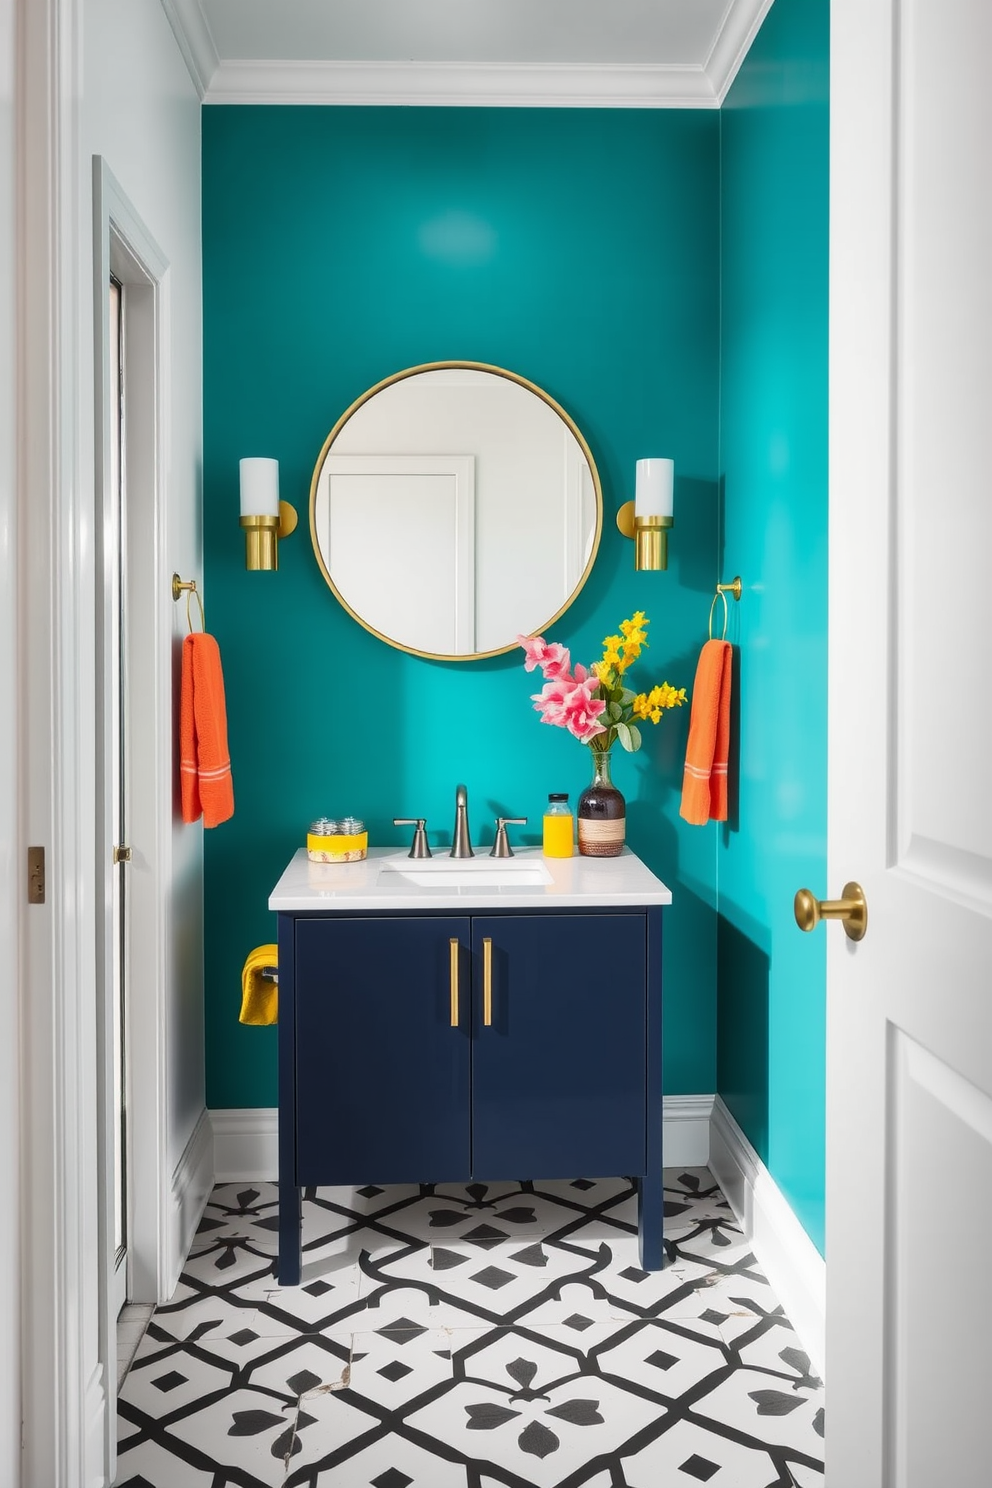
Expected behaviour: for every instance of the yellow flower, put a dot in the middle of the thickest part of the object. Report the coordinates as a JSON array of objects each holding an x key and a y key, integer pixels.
[
  {"x": 611, "y": 650},
  {"x": 602, "y": 671},
  {"x": 652, "y": 704},
  {"x": 637, "y": 621}
]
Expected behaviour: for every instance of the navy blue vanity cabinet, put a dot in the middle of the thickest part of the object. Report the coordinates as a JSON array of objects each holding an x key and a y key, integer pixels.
[
  {"x": 382, "y": 1077},
  {"x": 438, "y": 1048},
  {"x": 558, "y": 1070}
]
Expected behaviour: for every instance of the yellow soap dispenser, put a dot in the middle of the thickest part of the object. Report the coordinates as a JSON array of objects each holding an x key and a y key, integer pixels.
[{"x": 559, "y": 828}]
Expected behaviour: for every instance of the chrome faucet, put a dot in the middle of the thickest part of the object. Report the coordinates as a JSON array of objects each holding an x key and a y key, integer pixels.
[{"x": 461, "y": 846}]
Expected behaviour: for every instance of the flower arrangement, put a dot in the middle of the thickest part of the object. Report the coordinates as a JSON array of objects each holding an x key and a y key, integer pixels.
[{"x": 593, "y": 703}]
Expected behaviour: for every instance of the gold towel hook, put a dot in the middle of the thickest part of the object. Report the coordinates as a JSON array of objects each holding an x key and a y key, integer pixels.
[
  {"x": 719, "y": 595},
  {"x": 722, "y": 590},
  {"x": 178, "y": 585}
]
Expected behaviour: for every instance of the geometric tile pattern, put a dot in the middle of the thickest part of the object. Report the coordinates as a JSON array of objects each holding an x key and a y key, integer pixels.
[{"x": 471, "y": 1336}]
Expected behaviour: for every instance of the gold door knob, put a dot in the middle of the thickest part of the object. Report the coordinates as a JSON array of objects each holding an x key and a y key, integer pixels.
[{"x": 852, "y": 909}]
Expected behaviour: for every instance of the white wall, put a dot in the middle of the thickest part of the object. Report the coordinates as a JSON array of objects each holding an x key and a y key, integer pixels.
[{"x": 141, "y": 112}]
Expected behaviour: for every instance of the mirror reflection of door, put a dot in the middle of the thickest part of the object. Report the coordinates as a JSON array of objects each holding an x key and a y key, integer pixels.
[
  {"x": 454, "y": 507},
  {"x": 401, "y": 529}
]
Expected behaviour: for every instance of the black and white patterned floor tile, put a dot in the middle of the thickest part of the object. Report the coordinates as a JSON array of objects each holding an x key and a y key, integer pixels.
[{"x": 488, "y": 1336}]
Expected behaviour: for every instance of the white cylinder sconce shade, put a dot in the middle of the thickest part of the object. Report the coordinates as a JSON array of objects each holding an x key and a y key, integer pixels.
[
  {"x": 654, "y": 488},
  {"x": 259, "y": 488}
]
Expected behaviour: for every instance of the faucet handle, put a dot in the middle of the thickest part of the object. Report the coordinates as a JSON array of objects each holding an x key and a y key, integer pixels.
[
  {"x": 420, "y": 848},
  {"x": 501, "y": 847}
]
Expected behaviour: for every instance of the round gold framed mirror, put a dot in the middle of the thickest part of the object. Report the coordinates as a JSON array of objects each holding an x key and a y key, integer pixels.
[{"x": 453, "y": 507}]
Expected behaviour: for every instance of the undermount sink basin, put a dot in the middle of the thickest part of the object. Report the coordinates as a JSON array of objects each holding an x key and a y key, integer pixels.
[{"x": 463, "y": 873}]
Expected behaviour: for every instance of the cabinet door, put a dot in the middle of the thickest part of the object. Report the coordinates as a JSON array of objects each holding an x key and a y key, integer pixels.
[
  {"x": 382, "y": 1076},
  {"x": 558, "y": 1075}
]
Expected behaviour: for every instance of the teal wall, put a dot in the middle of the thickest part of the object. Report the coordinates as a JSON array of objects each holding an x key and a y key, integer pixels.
[
  {"x": 773, "y": 461},
  {"x": 578, "y": 248}
]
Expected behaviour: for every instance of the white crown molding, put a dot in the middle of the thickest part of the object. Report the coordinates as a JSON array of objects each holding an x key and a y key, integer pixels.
[
  {"x": 459, "y": 84},
  {"x": 467, "y": 84},
  {"x": 796, "y": 1271},
  {"x": 741, "y": 23},
  {"x": 192, "y": 32}
]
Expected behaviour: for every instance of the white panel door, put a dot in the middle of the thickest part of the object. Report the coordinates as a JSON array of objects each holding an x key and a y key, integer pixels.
[{"x": 909, "y": 1162}]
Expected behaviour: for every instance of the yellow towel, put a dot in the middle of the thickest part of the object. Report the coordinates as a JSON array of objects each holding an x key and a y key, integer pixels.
[{"x": 259, "y": 995}]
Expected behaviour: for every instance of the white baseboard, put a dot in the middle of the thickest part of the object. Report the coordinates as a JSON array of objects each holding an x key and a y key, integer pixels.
[
  {"x": 685, "y": 1138},
  {"x": 191, "y": 1184},
  {"x": 699, "y": 1131},
  {"x": 795, "y": 1269},
  {"x": 246, "y": 1139},
  {"x": 246, "y": 1144}
]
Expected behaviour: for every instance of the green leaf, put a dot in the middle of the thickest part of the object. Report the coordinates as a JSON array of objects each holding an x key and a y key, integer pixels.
[
  {"x": 623, "y": 734},
  {"x": 615, "y": 712},
  {"x": 635, "y": 736},
  {"x": 627, "y": 697}
]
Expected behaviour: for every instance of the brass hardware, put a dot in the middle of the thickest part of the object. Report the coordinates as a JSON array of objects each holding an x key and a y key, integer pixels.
[
  {"x": 178, "y": 585},
  {"x": 122, "y": 855},
  {"x": 487, "y": 982},
  {"x": 36, "y": 875},
  {"x": 288, "y": 519},
  {"x": 453, "y": 943},
  {"x": 650, "y": 535},
  {"x": 722, "y": 590},
  {"x": 262, "y": 536},
  {"x": 261, "y": 545},
  {"x": 852, "y": 909}
]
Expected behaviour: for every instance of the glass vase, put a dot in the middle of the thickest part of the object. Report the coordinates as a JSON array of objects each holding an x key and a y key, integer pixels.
[{"x": 602, "y": 812}]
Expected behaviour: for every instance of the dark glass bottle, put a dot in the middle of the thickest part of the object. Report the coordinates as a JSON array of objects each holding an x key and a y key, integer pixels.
[{"x": 602, "y": 812}]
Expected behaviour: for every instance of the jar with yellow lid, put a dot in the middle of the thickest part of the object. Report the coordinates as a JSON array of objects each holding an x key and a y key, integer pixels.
[{"x": 337, "y": 840}]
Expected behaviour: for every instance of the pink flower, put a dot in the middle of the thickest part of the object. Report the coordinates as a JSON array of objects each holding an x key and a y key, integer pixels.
[
  {"x": 568, "y": 702},
  {"x": 553, "y": 659},
  {"x": 582, "y": 710},
  {"x": 550, "y": 701}
]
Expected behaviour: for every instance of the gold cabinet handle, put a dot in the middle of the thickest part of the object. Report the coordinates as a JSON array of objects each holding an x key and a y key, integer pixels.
[
  {"x": 852, "y": 909},
  {"x": 487, "y": 982},
  {"x": 122, "y": 855},
  {"x": 454, "y": 981}
]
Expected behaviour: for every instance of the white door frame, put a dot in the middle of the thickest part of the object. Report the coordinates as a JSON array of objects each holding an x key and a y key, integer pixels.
[
  {"x": 123, "y": 246},
  {"x": 63, "y": 1380},
  {"x": 68, "y": 1351}
]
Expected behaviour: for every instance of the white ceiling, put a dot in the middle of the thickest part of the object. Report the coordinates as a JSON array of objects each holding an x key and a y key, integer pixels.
[{"x": 606, "y": 53}]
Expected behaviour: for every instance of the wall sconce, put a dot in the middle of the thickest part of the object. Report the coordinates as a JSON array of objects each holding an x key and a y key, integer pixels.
[
  {"x": 648, "y": 517},
  {"x": 263, "y": 516}
]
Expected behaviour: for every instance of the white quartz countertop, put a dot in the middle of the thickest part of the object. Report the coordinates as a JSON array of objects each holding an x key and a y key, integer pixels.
[{"x": 390, "y": 879}]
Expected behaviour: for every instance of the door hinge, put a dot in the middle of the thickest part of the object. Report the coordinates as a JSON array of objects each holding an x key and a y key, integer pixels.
[{"x": 36, "y": 875}]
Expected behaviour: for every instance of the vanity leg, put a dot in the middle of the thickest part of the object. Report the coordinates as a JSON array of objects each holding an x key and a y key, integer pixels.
[
  {"x": 290, "y": 1236},
  {"x": 651, "y": 1187},
  {"x": 651, "y": 1220},
  {"x": 290, "y": 1263}
]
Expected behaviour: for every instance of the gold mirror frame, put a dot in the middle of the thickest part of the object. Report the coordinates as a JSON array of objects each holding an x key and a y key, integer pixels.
[{"x": 441, "y": 367}]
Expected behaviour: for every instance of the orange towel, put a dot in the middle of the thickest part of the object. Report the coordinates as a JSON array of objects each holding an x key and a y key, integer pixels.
[
  {"x": 704, "y": 785},
  {"x": 204, "y": 762}
]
